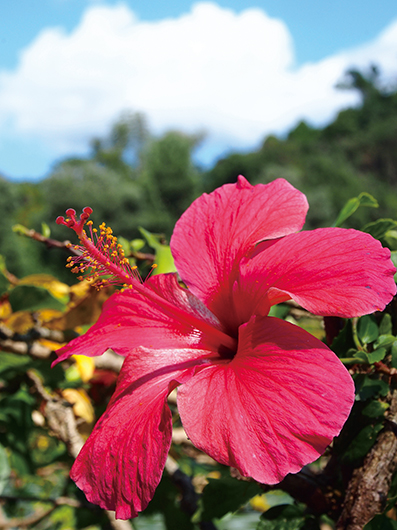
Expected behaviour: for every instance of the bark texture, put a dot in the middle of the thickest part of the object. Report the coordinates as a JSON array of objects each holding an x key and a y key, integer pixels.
[{"x": 368, "y": 488}]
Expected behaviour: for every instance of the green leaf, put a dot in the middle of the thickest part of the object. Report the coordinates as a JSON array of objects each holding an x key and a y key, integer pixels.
[
  {"x": 381, "y": 522},
  {"x": 45, "y": 230},
  {"x": 163, "y": 259},
  {"x": 377, "y": 355},
  {"x": 385, "y": 327},
  {"x": 279, "y": 311},
  {"x": 362, "y": 443},
  {"x": 344, "y": 340},
  {"x": 374, "y": 409},
  {"x": 5, "y": 469},
  {"x": 32, "y": 298},
  {"x": 385, "y": 341},
  {"x": 390, "y": 239},
  {"x": 379, "y": 228},
  {"x": 364, "y": 199},
  {"x": 137, "y": 244},
  {"x": 393, "y": 256},
  {"x": 367, "y": 329},
  {"x": 4, "y": 283},
  {"x": 125, "y": 244},
  {"x": 372, "y": 388},
  {"x": 224, "y": 495},
  {"x": 287, "y": 517},
  {"x": 372, "y": 357},
  {"x": 394, "y": 354},
  {"x": 13, "y": 362}
]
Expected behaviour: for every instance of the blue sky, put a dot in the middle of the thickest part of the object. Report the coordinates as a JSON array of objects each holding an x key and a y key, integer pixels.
[{"x": 68, "y": 68}]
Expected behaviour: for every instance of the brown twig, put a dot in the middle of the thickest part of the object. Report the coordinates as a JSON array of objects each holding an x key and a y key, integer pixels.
[
  {"x": 49, "y": 242},
  {"x": 368, "y": 488},
  {"x": 61, "y": 420}
]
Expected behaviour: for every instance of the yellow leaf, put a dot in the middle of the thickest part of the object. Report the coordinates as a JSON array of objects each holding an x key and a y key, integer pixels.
[
  {"x": 57, "y": 289},
  {"x": 259, "y": 503},
  {"x": 78, "y": 290},
  {"x": 47, "y": 315},
  {"x": 51, "y": 344},
  {"x": 81, "y": 403},
  {"x": 85, "y": 366},
  {"x": 20, "y": 321},
  {"x": 5, "y": 309}
]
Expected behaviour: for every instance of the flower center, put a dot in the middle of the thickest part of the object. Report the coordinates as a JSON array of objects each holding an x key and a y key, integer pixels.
[{"x": 226, "y": 352}]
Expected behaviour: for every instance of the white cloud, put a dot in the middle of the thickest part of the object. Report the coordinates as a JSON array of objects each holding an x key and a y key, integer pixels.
[{"x": 231, "y": 74}]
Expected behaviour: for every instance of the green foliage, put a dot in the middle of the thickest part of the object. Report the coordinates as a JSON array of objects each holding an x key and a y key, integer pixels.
[
  {"x": 381, "y": 522},
  {"x": 225, "y": 495},
  {"x": 32, "y": 298},
  {"x": 364, "y": 199},
  {"x": 287, "y": 517},
  {"x": 163, "y": 257}
]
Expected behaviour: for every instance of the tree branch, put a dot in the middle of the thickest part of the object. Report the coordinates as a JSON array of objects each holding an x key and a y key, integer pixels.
[{"x": 368, "y": 488}]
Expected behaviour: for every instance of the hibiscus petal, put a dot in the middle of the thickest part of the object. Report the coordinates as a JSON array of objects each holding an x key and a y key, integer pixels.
[
  {"x": 274, "y": 408},
  {"x": 157, "y": 314},
  {"x": 121, "y": 464},
  {"x": 218, "y": 229},
  {"x": 329, "y": 271}
]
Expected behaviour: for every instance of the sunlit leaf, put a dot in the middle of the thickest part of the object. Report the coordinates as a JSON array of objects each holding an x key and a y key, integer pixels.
[
  {"x": 287, "y": 517},
  {"x": 163, "y": 256},
  {"x": 137, "y": 244},
  {"x": 82, "y": 406},
  {"x": 5, "y": 309},
  {"x": 5, "y": 468},
  {"x": 364, "y": 199},
  {"x": 85, "y": 366},
  {"x": 47, "y": 315},
  {"x": 45, "y": 230},
  {"x": 32, "y": 298},
  {"x": 393, "y": 256},
  {"x": 55, "y": 287},
  {"x": 264, "y": 502},
  {"x": 20, "y": 321},
  {"x": 374, "y": 409},
  {"x": 378, "y": 228}
]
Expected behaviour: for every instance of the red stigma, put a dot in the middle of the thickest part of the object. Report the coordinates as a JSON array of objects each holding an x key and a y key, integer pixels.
[{"x": 71, "y": 221}]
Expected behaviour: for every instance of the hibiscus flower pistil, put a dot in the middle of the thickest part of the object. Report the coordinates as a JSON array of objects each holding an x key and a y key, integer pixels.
[{"x": 100, "y": 254}]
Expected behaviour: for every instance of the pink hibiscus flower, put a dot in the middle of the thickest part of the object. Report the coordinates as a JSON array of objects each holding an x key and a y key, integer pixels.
[{"x": 254, "y": 392}]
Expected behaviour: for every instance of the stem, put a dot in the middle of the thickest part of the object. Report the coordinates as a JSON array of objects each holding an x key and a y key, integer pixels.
[{"x": 355, "y": 334}]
